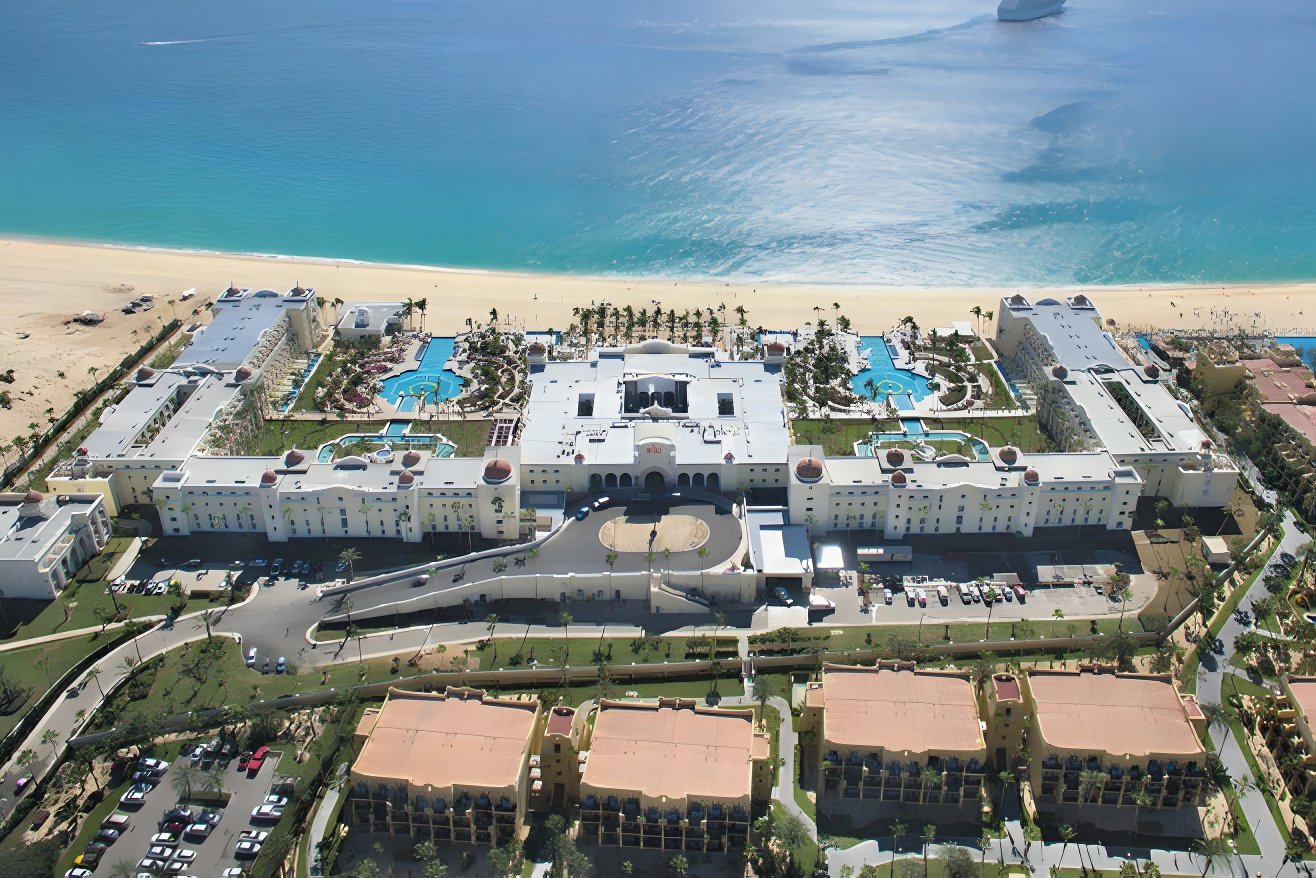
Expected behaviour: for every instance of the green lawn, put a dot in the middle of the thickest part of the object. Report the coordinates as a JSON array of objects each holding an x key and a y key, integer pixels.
[
  {"x": 1240, "y": 735},
  {"x": 836, "y": 437},
  {"x": 39, "y": 667},
  {"x": 167, "y": 355},
  {"x": 1022, "y": 432},
  {"x": 584, "y": 650},
  {"x": 78, "y": 606},
  {"x": 678, "y": 687},
  {"x": 878, "y": 636},
  {"x": 276, "y": 437},
  {"x": 328, "y": 363}
]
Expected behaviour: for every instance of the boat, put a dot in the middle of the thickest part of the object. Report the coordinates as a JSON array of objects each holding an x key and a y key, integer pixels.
[{"x": 1027, "y": 10}]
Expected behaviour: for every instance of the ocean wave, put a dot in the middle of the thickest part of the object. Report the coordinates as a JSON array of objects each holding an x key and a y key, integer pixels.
[{"x": 179, "y": 42}]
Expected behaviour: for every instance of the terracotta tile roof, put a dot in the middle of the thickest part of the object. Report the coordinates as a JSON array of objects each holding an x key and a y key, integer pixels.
[
  {"x": 1112, "y": 713},
  {"x": 1304, "y": 693},
  {"x": 913, "y": 711},
  {"x": 677, "y": 752},
  {"x": 447, "y": 740}
]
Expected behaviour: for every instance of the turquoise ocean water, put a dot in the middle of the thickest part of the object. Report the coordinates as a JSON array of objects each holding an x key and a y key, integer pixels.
[{"x": 882, "y": 142}]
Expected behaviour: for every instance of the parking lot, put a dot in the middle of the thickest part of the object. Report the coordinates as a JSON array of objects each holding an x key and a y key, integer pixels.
[{"x": 214, "y": 853}]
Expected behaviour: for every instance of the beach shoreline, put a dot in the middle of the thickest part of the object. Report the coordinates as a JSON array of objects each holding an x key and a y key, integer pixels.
[{"x": 44, "y": 282}]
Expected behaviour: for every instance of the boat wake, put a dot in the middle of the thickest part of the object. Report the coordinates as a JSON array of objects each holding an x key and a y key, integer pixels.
[{"x": 179, "y": 42}]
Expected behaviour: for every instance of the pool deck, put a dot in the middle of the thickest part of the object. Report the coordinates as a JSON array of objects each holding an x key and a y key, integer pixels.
[{"x": 411, "y": 360}]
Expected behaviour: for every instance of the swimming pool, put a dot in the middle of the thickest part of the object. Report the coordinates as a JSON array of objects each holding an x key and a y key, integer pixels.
[
  {"x": 878, "y": 440},
  {"x": 905, "y": 387},
  {"x": 437, "y": 445},
  {"x": 429, "y": 377}
]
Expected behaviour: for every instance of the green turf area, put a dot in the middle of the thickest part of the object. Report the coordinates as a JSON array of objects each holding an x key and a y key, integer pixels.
[
  {"x": 167, "y": 355},
  {"x": 38, "y": 668},
  {"x": 196, "y": 676},
  {"x": 336, "y": 357},
  {"x": 880, "y": 636},
  {"x": 836, "y": 437},
  {"x": 699, "y": 688},
  {"x": 88, "y": 605},
  {"x": 276, "y": 437},
  {"x": 1002, "y": 398},
  {"x": 1022, "y": 432},
  {"x": 513, "y": 652}
]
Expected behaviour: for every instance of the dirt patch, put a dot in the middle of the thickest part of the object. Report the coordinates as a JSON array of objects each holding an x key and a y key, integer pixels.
[{"x": 678, "y": 533}]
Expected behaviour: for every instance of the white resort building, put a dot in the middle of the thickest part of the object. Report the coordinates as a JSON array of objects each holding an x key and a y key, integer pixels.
[
  {"x": 649, "y": 418},
  {"x": 45, "y": 539}
]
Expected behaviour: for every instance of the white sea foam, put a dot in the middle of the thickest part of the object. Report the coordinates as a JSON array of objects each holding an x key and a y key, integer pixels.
[{"x": 179, "y": 42}]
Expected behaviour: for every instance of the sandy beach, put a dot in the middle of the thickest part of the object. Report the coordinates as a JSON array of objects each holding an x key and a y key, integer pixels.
[{"x": 43, "y": 284}]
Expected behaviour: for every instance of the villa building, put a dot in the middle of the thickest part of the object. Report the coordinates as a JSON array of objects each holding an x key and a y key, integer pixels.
[
  {"x": 450, "y": 766},
  {"x": 892, "y": 737},
  {"x": 1090, "y": 394},
  {"x": 1129, "y": 743},
  {"x": 369, "y": 320},
  {"x": 44, "y": 540},
  {"x": 672, "y": 776},
  {"x": 1286, "y": 726}
]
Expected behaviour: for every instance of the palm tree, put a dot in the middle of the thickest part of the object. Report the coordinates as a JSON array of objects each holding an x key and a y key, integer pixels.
[
  {"x": 565, "y": 618},
  {"x": 490, "y": 623},
  {"x": 898, "y": 830},
  {"x": 349, "y": 556},
  {"x": 929, "y": 836},
  {"x": 976, "y": 311},
  {"x": 928, "y": 777},
  {"x": 1066, "y": 836},
  {"x": 184, "y": 776},
  {"x": 94, "y": 674},
  {"x": 1211, "y": 850},
  {"x": 984, "y": 844}
]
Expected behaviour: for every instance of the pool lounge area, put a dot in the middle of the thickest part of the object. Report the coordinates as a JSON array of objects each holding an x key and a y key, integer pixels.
[
  {"x": 435, "y": 443},
  {"x": 905, "y": 387},
  {"x": 429, "y": 377},
  {"x": 920, "y": 442}
]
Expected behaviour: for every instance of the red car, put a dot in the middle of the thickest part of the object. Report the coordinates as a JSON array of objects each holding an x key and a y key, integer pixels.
[
  {"x": 244, "y": 759},
  {"x": 257, "y": 759}
]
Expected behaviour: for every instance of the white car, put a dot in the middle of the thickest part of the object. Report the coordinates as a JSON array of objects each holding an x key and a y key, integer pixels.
[
  {"x": 78, "y": 873},
  {"x": 149, "y": 763},
  {"x": 151, "y": 865},
  {"x": 255, "y": 835},
  {"x": 167, "y": 838},
  {"x": 160, "y": 851},
  {"x": 184, "y": 855},
  {"x": 246, "y": 849},
  {"x": 136, "y": 795},
  {"x": 278, "y": 801},
  {"x": 233, "y": 872},
  {"x": 266, "y": 812}
]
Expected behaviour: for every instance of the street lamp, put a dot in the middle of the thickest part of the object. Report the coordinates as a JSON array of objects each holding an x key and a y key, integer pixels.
[{"x": 920, "y": 626}]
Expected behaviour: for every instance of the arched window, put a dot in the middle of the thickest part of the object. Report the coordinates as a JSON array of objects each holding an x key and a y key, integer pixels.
[
  {"x": 625, "y": 480},
  {"x": 683, "y": 480},
  {"x": 698, "y": 480},
  {"x": 610, "y": 480}
]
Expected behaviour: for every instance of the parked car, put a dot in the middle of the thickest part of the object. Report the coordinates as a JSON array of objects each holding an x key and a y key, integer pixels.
[
  {"x": 197, "y": 753},
  {"x": 277, "y": 567},
  {"x": 193, "y": 564},
  {"x": 278, "y": 801},
  {"x": 185, "y": 855},
  {"x": 109, "y": 836},
  {"x": 150, "y": 762},
  {"x": 251, "y": 657},
  {"x": 39, "y": 819},
  {"x": 151, "y": 865},
  {"x": 1288, "y": 559},
  {"x": 258, "y": 758},
  {"x": 78, "y": 872},
  {"x": 922, "y": 597},
  {"x": 136, "y": 794},
  {"x": 257, "y": 562},
  {"x": 1020, "y": 593},
  {"x": 149, "y": 776},
  {"x": 168, "y": 838},
  {"x": 22, "y": 783},
  {"x": 887, "y": 596},
  {"x": 244, "y": 759},
  {"x": 266, "y": 812},
  {"x": 246, "y": 850},
  {"x": 582, "y": 513},
  {"x": 281, "y": 665},
  {"x": 199, "y": 831},
  {"x": 257, "y": 835},
  {"x": 943, "y": 595},
  {"x": 160, "y": 851},
  {"x": 233, "y": 872},
  {"x": 782, "y": 595}
]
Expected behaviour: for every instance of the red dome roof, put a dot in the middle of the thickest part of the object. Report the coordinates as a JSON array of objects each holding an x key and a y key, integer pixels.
[
  {"x": 898, "y": 478},
  {"x": 146, "y": 373},
  {"x": 1060, "y": 371},
  {"x": 497, "y": 470},
  {"x": 406, "y": 477},
  {"x": 269, "y": 477},
  {"x": 1081, "y": 300},
  {"x": 33, "y": 497},
  {"x": 580, "y": 457},
  {"x": 1031, "y": 477},
  {"x": 410, "y": 458},
  {"x": 242, "y": 374},
  {"x": 84, "y": 451},
  {"x": 1151, "y": 371},
  {"x": 1008, "y": 454},
  {"x": 536, "y": 347},
  {"x": 294, "y": 457},
  {"x": 809, "y": 469},
  {"x": 776, "y": 347},
  {"x": 895, "y": 457}
]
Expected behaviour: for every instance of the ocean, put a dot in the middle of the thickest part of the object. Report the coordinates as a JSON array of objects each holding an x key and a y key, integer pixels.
[{"x": 884, "y": 143}]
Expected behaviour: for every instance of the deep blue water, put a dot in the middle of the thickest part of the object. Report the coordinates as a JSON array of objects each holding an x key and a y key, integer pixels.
[{"x": 915, "y": 142}]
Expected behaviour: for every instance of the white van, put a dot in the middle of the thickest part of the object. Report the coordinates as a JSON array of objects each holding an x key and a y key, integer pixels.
[
  {"x": 943, "y": 595},
  {"x": 965, "y": 594},
  {"x": 251, "y": 657}
]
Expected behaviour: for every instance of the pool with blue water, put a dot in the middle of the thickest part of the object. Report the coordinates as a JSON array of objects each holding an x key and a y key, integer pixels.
[
  {"x": 905, "y": 387},
  {"x": 428, "y": 378}
]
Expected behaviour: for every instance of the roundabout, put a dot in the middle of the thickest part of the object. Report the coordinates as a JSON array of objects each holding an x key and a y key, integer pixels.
[{"x": 649, "y": 533}]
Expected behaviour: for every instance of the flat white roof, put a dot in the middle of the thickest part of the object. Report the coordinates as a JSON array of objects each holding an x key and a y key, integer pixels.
[
  {"x": 785, "y": 550},
  {"x": 829, "y": 557}
]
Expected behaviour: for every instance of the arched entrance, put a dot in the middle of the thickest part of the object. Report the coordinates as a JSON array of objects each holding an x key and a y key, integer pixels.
[
  {"x": 654, "y": 483},
  {"x": 683, "y": 480},
  {"x": 625, "y": 481},
  {"x": 595, "y": 483},
  {"x": 698, "y": 480},
  {"x": 714, "y": 482},
  {"x": 610, "y": 480}
]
